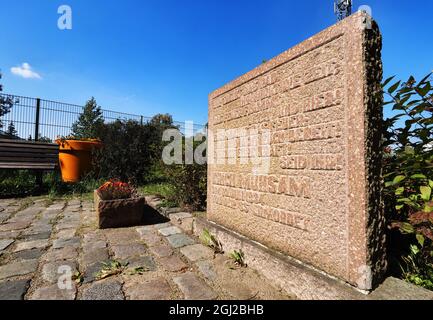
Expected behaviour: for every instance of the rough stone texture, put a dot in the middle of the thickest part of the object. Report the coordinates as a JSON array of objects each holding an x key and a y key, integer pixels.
[
  {"x": 145, "y": 262},
  {"x": 193, "y": 288},
  {"x": 53, "y": 293},
  {"x": 28, "y": 245},
  {"x": 183, "y": 220},
  {"x": 13, "y": 290},
  {"x": 50, "y": 271},
  {"x": 37, "y": 236},
  {"x": 396, "y": 289},
  {"x": 66, "y": 234},
  {"x": 180, "y": 240},
  {"x": 122, "y": 236},
  {"x": 169, "y": 231},
  {"x": 197, "y": 252},
  {"x": 29, "y": 254},
  {"x": 161, "y": 251},
  {"x": 104, "y": 290},
  {"x": 173, "y": 263},
  {"x": 67, "y": 253},
  {"x": 206, "y": 269},
  {"x": 20, "y": 268},
  {"x": 155, "y": 289},
  {"x": 119, "y": 213},
  {"x": 5, "y": 243},
  {"x": 152, "y": 239},
  {"x": 69, "y": 242},
  {"x": 128, "y": 251},
  {"x": 93, "y": 256},
  {"x": 319, "y": 199},
  {"x": 14, "y": 226}
]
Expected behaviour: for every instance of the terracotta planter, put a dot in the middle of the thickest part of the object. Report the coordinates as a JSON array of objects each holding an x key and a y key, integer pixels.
[
  {"x": 119, "y": 213},
  {"x": 75, "y": 158}
]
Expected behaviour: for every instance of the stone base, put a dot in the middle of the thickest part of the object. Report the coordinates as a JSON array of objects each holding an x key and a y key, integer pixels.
[
  {"x": 301, "y": 280},
  {"x": 119, "y": 213}
]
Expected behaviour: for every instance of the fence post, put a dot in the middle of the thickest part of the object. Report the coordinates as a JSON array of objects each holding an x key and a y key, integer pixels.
[
  {"x": 38, "y": 111},
  {"x": 141, "y": 120}
]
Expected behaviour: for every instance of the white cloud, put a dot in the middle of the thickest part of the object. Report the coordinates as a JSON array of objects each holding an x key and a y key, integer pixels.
[{"x": 25, "y": 71}]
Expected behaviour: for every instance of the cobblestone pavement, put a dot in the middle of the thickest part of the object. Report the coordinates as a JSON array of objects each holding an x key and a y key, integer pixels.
[{"x": 43, "y": 242}]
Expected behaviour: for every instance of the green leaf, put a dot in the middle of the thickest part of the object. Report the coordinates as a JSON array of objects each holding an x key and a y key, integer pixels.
[
  {"x": 387, "y": 81},
  {"x": 399, "y": 191},
  {"x": 398, "y": 179},
  {"x": 420, "y": 239},
  {"x": 399, "y": 207},
  {"x": 425, "y": 193},
  {"x": 430, "y": 183},
  {"x": 418, "y": 176},
  {"x": 407, "y": 228},
  {"x": 394, "y": 87}
]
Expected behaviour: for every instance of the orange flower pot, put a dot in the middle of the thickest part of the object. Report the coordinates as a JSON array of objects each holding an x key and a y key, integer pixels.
[{"x": 75, "y": 158}]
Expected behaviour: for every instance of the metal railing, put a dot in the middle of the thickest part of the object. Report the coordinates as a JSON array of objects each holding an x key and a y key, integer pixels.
[{"x": 39, "y": 119}]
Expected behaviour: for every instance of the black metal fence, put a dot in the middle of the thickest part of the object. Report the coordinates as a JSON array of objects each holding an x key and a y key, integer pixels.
[{"x": 38, "y": 119}]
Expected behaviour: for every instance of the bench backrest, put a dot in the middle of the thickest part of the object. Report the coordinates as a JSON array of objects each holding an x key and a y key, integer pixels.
[{"x": 21, "y": 154}]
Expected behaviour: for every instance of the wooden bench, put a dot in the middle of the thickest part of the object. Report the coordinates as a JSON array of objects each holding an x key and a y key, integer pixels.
[{"x": 21, "y": 154}]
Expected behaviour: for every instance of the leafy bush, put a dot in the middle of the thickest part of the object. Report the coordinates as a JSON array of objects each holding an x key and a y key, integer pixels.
[
  {"x": 408, "y": 169},
  {"x": 132, "y": 151},
  {"x": 190, "y": 184}
]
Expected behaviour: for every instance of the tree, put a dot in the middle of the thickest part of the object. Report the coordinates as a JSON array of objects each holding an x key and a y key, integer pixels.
[
  {"x": 6, "y": 104},
  {"x": 89, "y": 123},
  {"x": 11, "y": 131}
]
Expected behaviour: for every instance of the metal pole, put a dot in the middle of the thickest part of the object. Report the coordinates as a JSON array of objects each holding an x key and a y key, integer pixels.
[
  {"x": 38, "y": 111},
  {"x": 141, "y": 121}
]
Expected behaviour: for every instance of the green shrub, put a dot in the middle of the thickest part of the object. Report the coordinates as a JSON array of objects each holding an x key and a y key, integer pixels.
[
  {"x": 190, "y": 184},
  {"x": 408, "y": 170}
]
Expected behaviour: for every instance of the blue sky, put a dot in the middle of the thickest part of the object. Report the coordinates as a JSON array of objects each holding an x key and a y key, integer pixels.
[{"x": 155, "y": 56}]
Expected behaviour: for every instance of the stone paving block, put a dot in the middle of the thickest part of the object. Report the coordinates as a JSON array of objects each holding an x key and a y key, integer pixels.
[
  {"x": 194, "y": 288},
  {"x": 128, "y": 251},
  {"x": 29, "y": 254},
  {"x": 145, "y": 229},
  {"x": 206, "y": 268},
  {"x": 122, "y": 236},
  {"x": 54, "y": 293},
  {"x": 14, "y": 226},
  {"x": 36, "y": 236},
  {"x": 5, "y": 243},
  {"x": 104, "y": 290},
  {"x": 90, "y": 246},
  {"x": 14, "y": 289},
  {"x": 162, "y": 225},
  {"x": 4, "y": 217},
  {"x": 183, "y": 220},
  {"x": 161, "y": 251},
  {"x": 152, "y": 239},
  {"x": 38, "y": 228},
  {"x": 91, "y": 271},
  {"x": 61, "y": 243},
  {"x": 65, "y": 234},
  {"x": 155, "y": 289},
  {"x": 173, "y": 263},
  {"x": 18, "y": 268},
  {"x": 180, "y": 240},
  {"x": 9, "y": 234},
  {"x": 197, "y": 252},
  {"x": 67, "y": 225},
  {"x": 66, "y": 253},
  {"x": 145, "y": 262},
  {"x": 51, "y": 271},
  {"x": 28, "y": 245},
  {"x": 169, "y": 231},
  {"x": 93, "y": 256}
]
